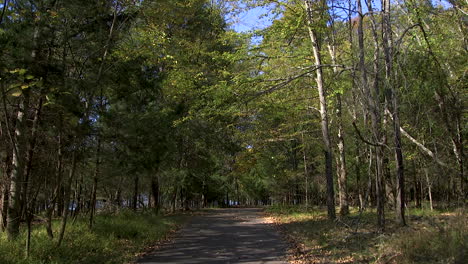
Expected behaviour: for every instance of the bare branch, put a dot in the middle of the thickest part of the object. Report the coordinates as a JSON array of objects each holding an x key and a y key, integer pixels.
[
  {"x": 417, "y": 143},
  {"x": 364, "y": 140}
]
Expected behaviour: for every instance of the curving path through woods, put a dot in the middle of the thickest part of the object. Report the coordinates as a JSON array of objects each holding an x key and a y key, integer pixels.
[{"x": 223, "y": 236}]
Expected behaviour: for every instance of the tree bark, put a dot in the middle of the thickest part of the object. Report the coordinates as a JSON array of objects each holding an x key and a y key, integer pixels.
[
  {"x": 400, "y": 178},
  {"x": 373, "y": 104},
  {"x": 323, "y": 112},
  {"x": 341, "y": 161},
  {"x": 342, "y": 175},
  {"x": 17, "y": 170},
  {"x": 30, "y": 154}
]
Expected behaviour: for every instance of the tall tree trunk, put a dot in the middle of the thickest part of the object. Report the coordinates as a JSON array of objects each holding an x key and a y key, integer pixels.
[
  {"x": 17, "y": 169},
  {"x": 341, "y": 161},
  {"x": 373, "y": 104},
  {"x": 100, "y": 110},
  {"x": 342, "y": 176},
  {"x": 393, "y": 100},
  {"x": 323, "y": 111},
  {"x": 92, "y": 203},
  {"x": 58, "y": 186},
  {"x": 29, "y": 156}
]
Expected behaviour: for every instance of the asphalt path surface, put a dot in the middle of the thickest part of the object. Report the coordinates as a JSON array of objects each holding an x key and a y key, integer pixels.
[{"x": 238, "y": 235}]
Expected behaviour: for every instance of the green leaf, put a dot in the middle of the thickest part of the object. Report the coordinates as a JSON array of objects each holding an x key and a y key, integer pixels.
[
  {"x": 15, "y": 85},
  {"x": 17, "y": 93}
]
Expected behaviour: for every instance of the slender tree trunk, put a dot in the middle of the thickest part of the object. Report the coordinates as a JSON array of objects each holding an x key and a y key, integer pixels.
[
  {"x": 400, "y": 179},
  {"x": 429, "y": 188},
  {"x": 343, "y": 175},
  {"x": 461, "y": 161},
  {"x": 135, "y": 192},
  {"x": 29, "y": 156},
  {"x": 67, "y": 201},
  {"x": 323, "y": 112},
  {"x": 306, "y": 172},
  {"x": 174, "y": 200},
  {"x": 5, "y": 191},
  {"x": 357, "y": 153},
  {"x": 16, "y": 177},
  {"x": 341, "y": 161},
  {"x": 92, "y": 205},
  {"x": 5, "y": 198},
  {"x": 78, "y": 198},
  {"x": 55, "y": 195},
  {"x": 373, "y": 103},
  {"x": 155, "y": 191},
  {"x": 100, "y": 110}
]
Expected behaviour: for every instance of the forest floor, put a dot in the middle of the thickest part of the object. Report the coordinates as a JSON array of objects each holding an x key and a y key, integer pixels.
[
  {"x": 439, "y": 236},
  {"x": 236, "y": 235}
]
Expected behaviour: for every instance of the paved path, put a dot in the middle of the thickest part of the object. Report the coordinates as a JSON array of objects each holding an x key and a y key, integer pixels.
[{"x": 223, "y": 236}]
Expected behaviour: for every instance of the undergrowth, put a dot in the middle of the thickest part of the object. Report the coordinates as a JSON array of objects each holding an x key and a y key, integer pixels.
[
  {"x": 430, "y": 237},
  {"x": 116, "y": 238},
  {"x": 441, "y": 239}
]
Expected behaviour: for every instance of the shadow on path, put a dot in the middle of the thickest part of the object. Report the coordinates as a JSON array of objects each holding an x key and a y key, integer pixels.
[{"x": 223, "y": 236}]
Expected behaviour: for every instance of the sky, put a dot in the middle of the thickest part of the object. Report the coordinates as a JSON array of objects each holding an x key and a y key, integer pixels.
[
  {"x": 251, "y": 20},
  {"x": 254, "y": 18}
]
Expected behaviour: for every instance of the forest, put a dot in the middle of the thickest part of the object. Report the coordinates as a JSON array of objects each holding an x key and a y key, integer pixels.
[{"x": 115, "y": 111}]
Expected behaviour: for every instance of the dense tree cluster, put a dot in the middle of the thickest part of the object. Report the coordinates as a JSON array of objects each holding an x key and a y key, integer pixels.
[
  {"x": 158, "y": 104},
  {"x": 109, "y": 104},
  {"x": 359, "y": 101}
]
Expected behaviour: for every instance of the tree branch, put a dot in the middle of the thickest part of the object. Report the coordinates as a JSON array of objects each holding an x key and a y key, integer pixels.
[
  {"x": 417, "y": 143},
  {"x": 364, "y": 140}
]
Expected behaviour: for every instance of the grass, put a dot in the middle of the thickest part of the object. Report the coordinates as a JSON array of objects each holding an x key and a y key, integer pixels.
[
  {"x": 430, "y": 237},
  {"x": 117, "y": 238}
]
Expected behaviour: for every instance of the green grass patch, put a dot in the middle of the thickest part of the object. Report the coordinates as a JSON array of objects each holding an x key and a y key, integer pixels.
[
  {"x": 430, "y": 237},
  {"x": 116, "y": 238}
]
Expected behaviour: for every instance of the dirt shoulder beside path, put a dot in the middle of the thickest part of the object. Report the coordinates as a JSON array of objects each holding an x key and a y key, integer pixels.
[{"x": 239, "y": 235}]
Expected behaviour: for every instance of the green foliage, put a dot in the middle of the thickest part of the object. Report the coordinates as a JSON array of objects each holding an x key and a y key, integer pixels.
[
  {"x": 116, "y": 238},
  {"x": 163, "y": 93}
]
